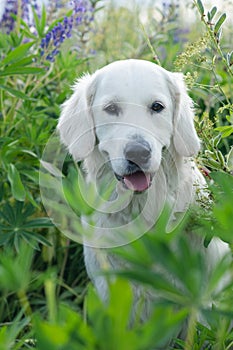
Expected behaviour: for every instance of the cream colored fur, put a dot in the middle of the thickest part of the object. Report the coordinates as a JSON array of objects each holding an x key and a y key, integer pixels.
[{"x": 99, "y": 139}]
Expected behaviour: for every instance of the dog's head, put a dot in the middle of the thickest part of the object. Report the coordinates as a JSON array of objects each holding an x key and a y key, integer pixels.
[{"x": 130, "y": 110}]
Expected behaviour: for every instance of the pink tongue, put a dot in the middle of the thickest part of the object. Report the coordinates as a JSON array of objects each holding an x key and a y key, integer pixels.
[{"x": 137, "y": 181}]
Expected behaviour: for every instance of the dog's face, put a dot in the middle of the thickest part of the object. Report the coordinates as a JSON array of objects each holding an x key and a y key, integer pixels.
[
  {"x": 133, "y": 121},
  {"x": 130, "y": 110}
]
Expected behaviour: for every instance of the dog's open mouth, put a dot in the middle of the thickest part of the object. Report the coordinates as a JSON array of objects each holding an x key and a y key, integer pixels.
[{"x": 137, "y": 181}]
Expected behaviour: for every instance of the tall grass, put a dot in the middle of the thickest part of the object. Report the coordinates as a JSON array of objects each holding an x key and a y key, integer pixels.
[{"x": 46, "y": 300}]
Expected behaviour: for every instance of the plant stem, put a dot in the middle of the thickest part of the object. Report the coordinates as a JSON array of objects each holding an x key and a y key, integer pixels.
[
  {"x": 19, "y": 15},
  {"x": 24, "y": 302},
  {"x": 63, "y": 265},
  {"x": 229, "y": 347},
  {"x": 155, "y": 56},
  {"x": 191, "y": 330},
  {"x": 2, "y": 105},
  {"x": 219, "y": 86},
  {"x": 213, "y": 39},
  {"x": 50, "y": 292}
]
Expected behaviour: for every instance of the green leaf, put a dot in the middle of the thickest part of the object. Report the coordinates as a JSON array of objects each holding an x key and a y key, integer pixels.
[
  {"x": 230, "y": 58},
  {"x": 25, "y": 30},
  {"x": 17, "y": 187},
  {"x": 219, "y": 23},
  {"x": 77, "y": 194},
  {"x": 229, "y": 159},
  {"x": 52, "y": 169},
  {"x": 218, "y": 273},
  {"x": 200, "y": 7},
  {"x": 14, "y": 333},
  {"x": 15, "y": 92},
  {"x": 26, "y": 60},
  {"x": 38, "y": 223},
  {"x": 40, "y": 23},
  {"x": 218, "y": 35},
  {"x": 32, "y": 175},
  {"x": 30, "y": 236},
  {"x": 43, "y": 19},
  {"x": 222, "y": 210},
  {"x": 225, "y": 130},
  {"x": 8, "y": 214},
  {"x": 14, "y": 70},
  {"x": 72, "y": 332},
  {"x": 17, "y": 54},
  {"x": 36, "y": 21},
  {"x": 212, "y": 13},
  {"x": 118, "y": 301},
  {"x": 30, "y": 153},
  {"x": 15, "y": 270}
]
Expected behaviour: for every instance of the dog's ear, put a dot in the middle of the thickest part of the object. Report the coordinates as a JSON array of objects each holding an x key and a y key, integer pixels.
[
  {"x": 185, "y": 138},
  {"x": 75, "y": 125}
]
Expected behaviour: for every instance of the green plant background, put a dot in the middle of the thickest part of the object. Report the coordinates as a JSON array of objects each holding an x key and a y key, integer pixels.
[{"x": 46, "y": 300}]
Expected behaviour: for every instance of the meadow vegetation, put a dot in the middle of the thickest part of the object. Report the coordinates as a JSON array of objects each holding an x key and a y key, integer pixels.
[{"x": 46, "y": 300}]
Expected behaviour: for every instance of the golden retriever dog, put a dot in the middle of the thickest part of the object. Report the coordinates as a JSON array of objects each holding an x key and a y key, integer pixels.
[{"x": 132, "y": 121}]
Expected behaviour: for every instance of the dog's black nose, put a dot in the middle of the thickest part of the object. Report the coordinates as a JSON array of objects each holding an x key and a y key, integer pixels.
[{"x": 138, "y": 153}]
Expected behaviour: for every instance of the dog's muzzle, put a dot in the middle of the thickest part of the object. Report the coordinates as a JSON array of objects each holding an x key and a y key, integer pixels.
[{"x": 137, "y": 154}]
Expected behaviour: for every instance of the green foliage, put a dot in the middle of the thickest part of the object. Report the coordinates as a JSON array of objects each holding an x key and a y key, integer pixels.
[
  {"x": 106, "y": 327},
  {"x": 80, "y": 196},
  {"x": 16, "y": 226},
  {"x": 15, "y": 272},
  {"x": 43, "y": 302},
  {"x": 222, "y": 211},
  {"x": 9, "y": 334},
  {"x": 17, "y": 187}
]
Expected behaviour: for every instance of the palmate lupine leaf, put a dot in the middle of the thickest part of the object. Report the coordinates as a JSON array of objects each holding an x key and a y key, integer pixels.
[{"x": 17, "y": 225}]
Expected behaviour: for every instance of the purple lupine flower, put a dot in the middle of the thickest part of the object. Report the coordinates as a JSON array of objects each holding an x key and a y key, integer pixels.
[
  {"x": 180, "y": 35},
  {"x": 170, "y": 13},
  {"x": 55, "y": 38},
  {"x": 82, "y": 13},
  {"x": 25, "y": 10},
  {"x": 170, "y": 9},
  {"x": 7, "y": 22}
]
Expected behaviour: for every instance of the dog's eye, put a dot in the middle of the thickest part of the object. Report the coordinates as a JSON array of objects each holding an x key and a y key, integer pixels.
[
  {"x": 157, "y": 107},
  {"x": 112, "y": 109}
]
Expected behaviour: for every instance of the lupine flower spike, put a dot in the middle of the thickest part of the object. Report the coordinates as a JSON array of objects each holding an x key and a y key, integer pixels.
[{"x": 82, "y": 13}]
